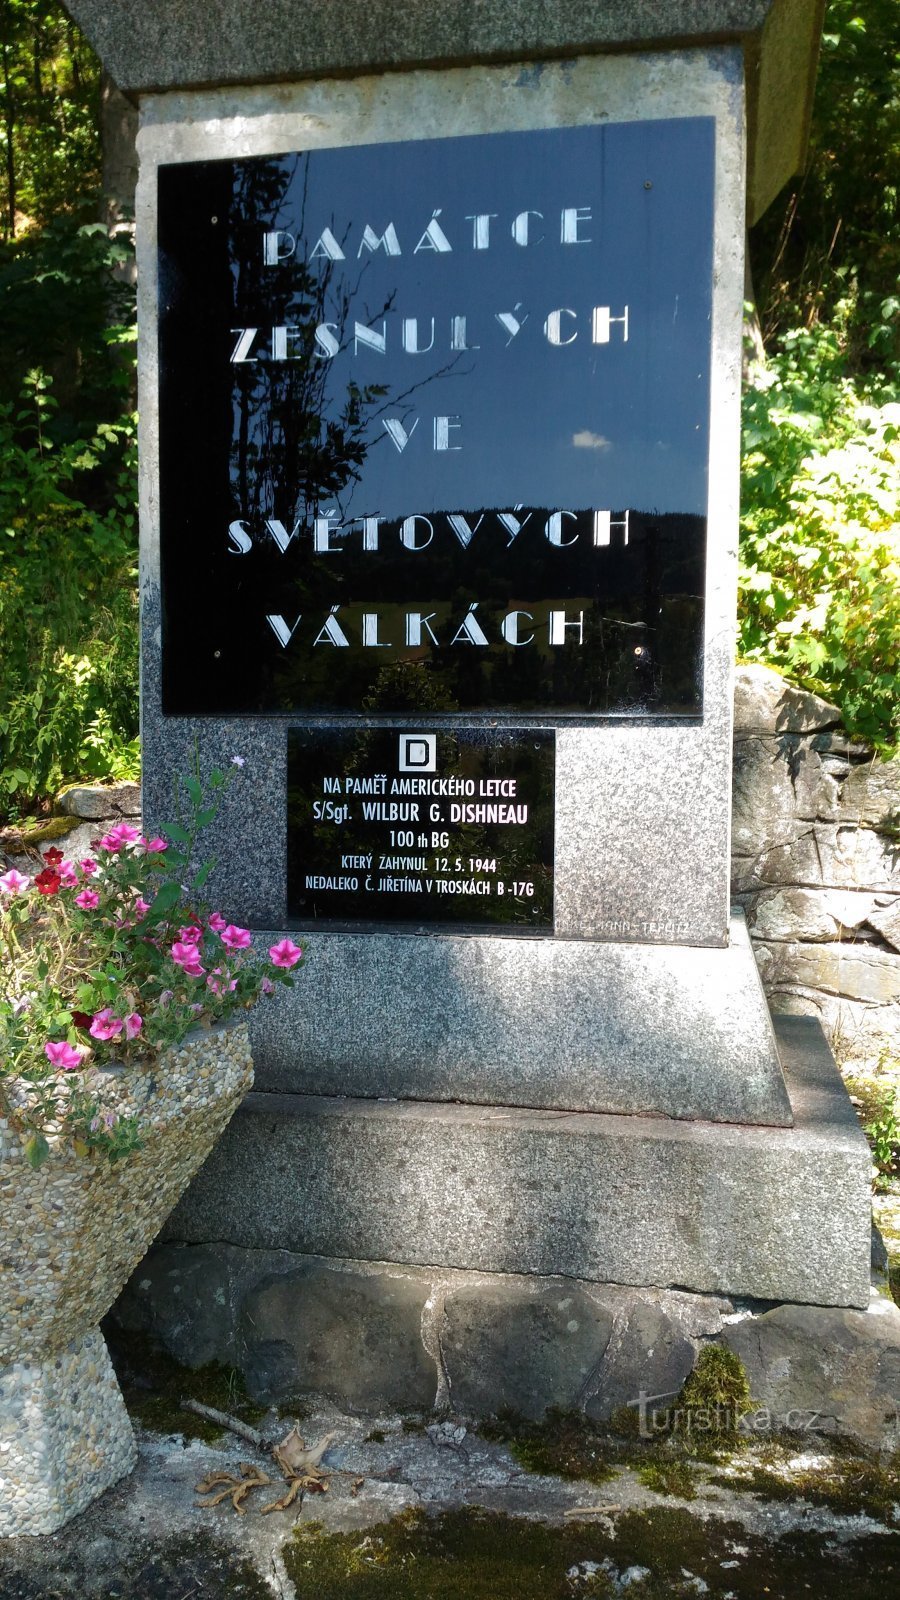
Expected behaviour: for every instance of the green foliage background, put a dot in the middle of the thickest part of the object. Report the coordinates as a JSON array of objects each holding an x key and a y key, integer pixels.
[
  {"x": 820, "y": 559},
  {"x": 68, "y": 526},
  {"x": 820, "y": 536}
]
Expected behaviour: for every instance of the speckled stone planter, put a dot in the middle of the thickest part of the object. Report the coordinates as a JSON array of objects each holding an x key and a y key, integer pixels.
[{"x": 70, "y": 1234}]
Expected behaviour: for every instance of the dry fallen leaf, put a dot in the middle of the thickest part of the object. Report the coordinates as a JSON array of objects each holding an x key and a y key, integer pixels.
[
  {"x": 294, "y": 1458},
  {"x": 236, "y": 1487}
]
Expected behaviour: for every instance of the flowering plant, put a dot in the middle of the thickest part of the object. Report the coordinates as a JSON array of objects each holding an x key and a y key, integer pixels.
[{"x": 110, "y": 959}]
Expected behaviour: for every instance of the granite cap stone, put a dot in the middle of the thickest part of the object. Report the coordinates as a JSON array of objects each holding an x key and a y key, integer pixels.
[{"x": 164, "y": 46}]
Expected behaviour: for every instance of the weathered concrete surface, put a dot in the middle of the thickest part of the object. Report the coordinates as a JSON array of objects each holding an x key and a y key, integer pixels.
[
  {"x": 147, "y": 1539},
  {"x": 816, "y": 863},
  {"x": 778, "y": 1213}
]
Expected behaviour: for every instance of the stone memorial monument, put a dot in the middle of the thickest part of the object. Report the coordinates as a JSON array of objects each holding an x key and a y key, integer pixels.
[{"x": 440, "y": 357}]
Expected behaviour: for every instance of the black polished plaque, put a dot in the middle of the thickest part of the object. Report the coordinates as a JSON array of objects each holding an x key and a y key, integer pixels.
[
  {"x": 434, "y": 425},
  {"x": 421, "y": 827}
]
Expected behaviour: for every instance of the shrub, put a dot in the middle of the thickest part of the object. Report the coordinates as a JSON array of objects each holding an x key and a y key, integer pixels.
[
  {"x": 820, "y": 542},
  {"x": 68, "y": 600}
]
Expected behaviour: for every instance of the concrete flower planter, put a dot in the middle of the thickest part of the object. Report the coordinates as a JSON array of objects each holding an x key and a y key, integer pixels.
[{"x": 70, "y": 1234}]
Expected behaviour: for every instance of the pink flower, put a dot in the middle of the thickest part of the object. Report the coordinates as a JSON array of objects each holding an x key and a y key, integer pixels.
[
  {"x": 13, "y": 882},
  {"x": 108, "y": 842},
  {"x": 154, "y": 846},
  {"x": 68, "y": 874},
  {"x": 165, "y": 996},
  {"x": 105, "y": 1025},
  {"x": 190, "y": 935},
  {"x": 133, "y": 1025},
  {"x": 123, "y": 833},
  {"x": 186, "y": 957},
  {"x": 218, "y": 982},
  {"x": 141, "y": 907},
  {"x": 196, "y": 1008},
  {"x": 285, "y": 954},
  {"x": 217, "y": 921},
  {"x": 235, "y": 938},
  {"x": 267, "y": 986},
  {"x": 63, "y": 1055},
  {"x": 88, "y": 866},
  {"x": 88, "y": 899}
]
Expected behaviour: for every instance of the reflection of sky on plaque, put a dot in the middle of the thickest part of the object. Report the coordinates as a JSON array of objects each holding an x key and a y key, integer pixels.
[{"x": 614, "y": 425}]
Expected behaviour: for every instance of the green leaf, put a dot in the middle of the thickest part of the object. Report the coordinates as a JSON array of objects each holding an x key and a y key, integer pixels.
[
  {"x": 36, "y": 1150},
  {"x": 166, "y": 897},
  {"x": 175, "y": 832},
  {"x": 194, "y": 790},
  {"x": 201, "y": 877}
]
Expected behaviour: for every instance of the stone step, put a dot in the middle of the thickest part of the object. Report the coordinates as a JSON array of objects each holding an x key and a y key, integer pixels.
[
  {"x": 772, "y": 1213},
  {"x": 563, "y": 1024}
]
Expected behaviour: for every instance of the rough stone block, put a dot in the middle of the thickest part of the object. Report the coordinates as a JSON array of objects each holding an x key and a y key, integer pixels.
[
  {"x": 815, "y": 914},
  {"x": 340, "y": 1331},
  {"x": 653, "y": 1347},
  {"x": 871, "y": 794},
  {"x": 189, "y": 1299},
  {"x": 101, "y": 801},
  {"x": 774, "y": 1213},
  {"x": 831, "y": 855},
  {"x": 765, "y": 703},
  {"x": 834, "y": 1371},
  {"x": 857, "y": 972},
  {"x": 763, "y": 803},
  {"x": 886, "y": 921},
  {"x": 521, "y": 1346},
  {"x": 370, "y": 1333}
]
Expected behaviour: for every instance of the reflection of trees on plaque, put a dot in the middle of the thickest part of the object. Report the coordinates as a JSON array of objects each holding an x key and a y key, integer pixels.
[
  {"x": 297, "y": 439},
  {"x": 302, "y": 427}
]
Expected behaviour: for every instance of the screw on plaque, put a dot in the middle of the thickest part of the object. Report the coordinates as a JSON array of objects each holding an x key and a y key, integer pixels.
[
  {"x": 214, "y": 220},
  {"x": 216, "y": 655},
  {"x": 647, "y": 185}
]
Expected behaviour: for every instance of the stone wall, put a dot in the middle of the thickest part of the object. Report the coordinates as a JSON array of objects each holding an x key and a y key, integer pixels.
[{"x": 816, "y": 864}]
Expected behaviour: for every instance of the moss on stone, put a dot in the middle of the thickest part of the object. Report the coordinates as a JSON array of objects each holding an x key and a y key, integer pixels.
[
  {"x": 154, "y": 1383},
  {"x": 675, "y": 1477},
  {"x": 845, "y": 1481},
  {"x": 472, "y": 1554},
  {"x": 715, "y": 1397},
  {"x": 46, "y": 832},
  {"x": 565, "y": 1444}
]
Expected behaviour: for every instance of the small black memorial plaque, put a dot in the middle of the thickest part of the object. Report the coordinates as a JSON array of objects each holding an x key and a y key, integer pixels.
[
  {"x": 421, "y": 827},
  {"x": 434, "y": 423}
]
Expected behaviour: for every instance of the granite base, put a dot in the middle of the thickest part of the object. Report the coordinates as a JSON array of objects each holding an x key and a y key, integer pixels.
[{"x": 772, "y": 1213}]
